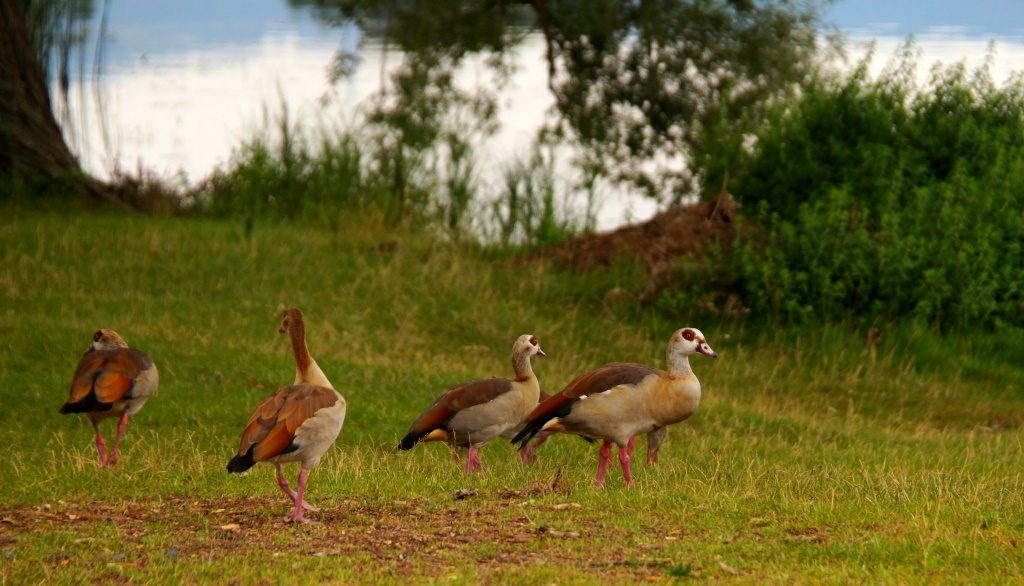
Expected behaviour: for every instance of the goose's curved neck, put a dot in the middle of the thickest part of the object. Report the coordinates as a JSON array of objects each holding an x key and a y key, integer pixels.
[
  {"x": 306, "y": 369},
  {"x": 521, "y": 366},
  {"x": 297, "y": 333},
  {"x": 678, "y": 364}
]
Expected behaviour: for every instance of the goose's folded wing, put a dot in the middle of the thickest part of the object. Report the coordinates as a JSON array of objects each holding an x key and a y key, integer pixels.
[
  {"x": 595, "y": 381},
  {"x": 110, "y": 374},
  {"x": 454, "y": 400},
  {"x": 271, "y": 429}
]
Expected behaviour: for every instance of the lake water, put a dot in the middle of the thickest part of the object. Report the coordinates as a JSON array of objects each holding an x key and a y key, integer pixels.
[{"x": 187, "y": 81}]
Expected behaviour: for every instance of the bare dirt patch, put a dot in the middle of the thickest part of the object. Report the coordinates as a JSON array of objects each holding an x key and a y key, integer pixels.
[
  {"x": 413, "y": 537},
  {"x": 658, "y": 243}
]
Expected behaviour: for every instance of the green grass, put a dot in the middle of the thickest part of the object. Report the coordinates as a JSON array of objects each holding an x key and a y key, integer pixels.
[{"x": 811, "y": 459}]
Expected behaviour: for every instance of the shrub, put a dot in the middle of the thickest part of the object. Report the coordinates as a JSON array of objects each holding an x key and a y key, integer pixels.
[{"x": 875, "y": 198}]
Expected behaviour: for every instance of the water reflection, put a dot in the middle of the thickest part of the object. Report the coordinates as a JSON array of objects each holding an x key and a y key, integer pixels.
[{"x": 178, "y": 104}]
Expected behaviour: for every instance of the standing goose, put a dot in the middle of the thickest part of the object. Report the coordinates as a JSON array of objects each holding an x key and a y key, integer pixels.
[
  {"x": 112, "y": 380},
  {"x": 527, "y": 453},
  {"x": 474, "y": 413},
  {"x": 619, "y": 401},
  {"x": 297, "y": 423}
]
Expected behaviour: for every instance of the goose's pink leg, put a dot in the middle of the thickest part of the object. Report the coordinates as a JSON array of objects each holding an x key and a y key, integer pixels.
[
  {"x": 624, "y": 458},
  {"x": 473, "y": 462},
  {"x": 296, "y": 516},
  {"x": 528, "y": 452},
  {"x": 121, "y": 425},
  {"x": 602, "y": 463},
  {"x": 629, "y": 446},
  {"x": 283, "y": 483},
  {"x": 101, "y": 446}
]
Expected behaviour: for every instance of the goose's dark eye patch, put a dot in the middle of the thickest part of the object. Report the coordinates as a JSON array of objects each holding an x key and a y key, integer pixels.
[
  {"x": 96, "y": 337},
  {"x": 688, "y": 334}
]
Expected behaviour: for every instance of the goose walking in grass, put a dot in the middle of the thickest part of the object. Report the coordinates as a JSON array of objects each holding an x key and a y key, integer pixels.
[
  {"x": 474, "y": 413},
  {"x": 297, "y": 423},
  {"x": 112, "y": 380},
  {"x": 528, "y": 453},
  {"x": 619, "y": 401}
]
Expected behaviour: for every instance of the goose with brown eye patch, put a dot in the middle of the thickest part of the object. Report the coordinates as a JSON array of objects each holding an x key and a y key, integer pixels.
[
  {"x": 619, "y": 401},
  {"x": 473, "y": 413},
  {"x": 297, "y": 423},
  {"x": 112, "y": 380}
]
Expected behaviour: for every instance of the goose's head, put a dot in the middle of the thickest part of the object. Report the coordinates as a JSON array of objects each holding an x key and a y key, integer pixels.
[
  {"x": 527, "y": 345},
  {"x": 292, "y": 321},
  {"x": 687, "y": 341},
  {"x": 105, "y": 340}
]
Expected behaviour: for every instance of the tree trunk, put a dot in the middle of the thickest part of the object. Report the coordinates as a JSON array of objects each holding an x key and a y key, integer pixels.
[{"x": 31, "y": 142}]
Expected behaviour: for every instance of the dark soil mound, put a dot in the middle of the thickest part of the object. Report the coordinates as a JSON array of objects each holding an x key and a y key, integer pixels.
[{"x": 658, "y": 243}]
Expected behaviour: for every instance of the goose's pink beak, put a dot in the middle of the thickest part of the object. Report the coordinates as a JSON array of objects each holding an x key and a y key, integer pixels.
[{"x": 703, "y": 348}]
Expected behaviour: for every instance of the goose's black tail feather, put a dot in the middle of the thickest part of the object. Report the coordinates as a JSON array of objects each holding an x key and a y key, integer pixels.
[
  {"x": 529, "y": 430},
  {"x": 410, "y": 440},
  {"x": 241, "y": 463},
  {"x": 90, "y": 404}
]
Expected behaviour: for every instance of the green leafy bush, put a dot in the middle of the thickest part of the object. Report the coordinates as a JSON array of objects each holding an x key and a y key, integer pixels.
[{"x": 873, "y": 199}]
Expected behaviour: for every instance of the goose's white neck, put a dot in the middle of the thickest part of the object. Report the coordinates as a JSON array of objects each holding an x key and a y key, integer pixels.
[
  {"x": 522, "y": 367},
  {"x": 313, "y": 375},
  {"x": 678, "y": 364}
]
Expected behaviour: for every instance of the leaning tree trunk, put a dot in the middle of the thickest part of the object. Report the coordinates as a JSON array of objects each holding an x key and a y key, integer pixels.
[{"x": 31, "y": 142}]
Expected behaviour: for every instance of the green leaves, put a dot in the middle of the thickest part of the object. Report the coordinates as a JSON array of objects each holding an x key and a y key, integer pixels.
[{"x": 888, "y": 200}]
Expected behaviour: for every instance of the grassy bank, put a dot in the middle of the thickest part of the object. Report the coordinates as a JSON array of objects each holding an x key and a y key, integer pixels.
[{"x": 812, "y": 458}]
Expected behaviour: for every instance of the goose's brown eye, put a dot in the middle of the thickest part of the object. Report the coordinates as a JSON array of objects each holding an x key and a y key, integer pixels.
[
  {"x": 533, "y": 340},
  {"x": 688, "y": 334},
  {"x": 96, "y": 337}
]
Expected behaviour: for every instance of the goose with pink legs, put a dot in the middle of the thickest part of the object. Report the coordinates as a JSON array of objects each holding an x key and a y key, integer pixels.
[
  {"x": 297, "y": 423},
  {"x": 112, "y": 380},
  {"x": 528, "y": 454},
  {"x": 473, "y": 413},
  {"x": 619, "y": 401}
]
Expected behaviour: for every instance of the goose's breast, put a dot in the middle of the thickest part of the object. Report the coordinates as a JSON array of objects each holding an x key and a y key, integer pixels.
[{"x": 672, "y": 400}]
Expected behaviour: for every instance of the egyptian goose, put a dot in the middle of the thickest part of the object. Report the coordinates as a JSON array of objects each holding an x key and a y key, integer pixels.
[
  {"x": 112, "y": 380},
  {"x": 297, "y": 423},
  {"x": 527, "y": 454},
  {"x": 619, "y": 401},
  {"x": 474, "y": 413}
]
